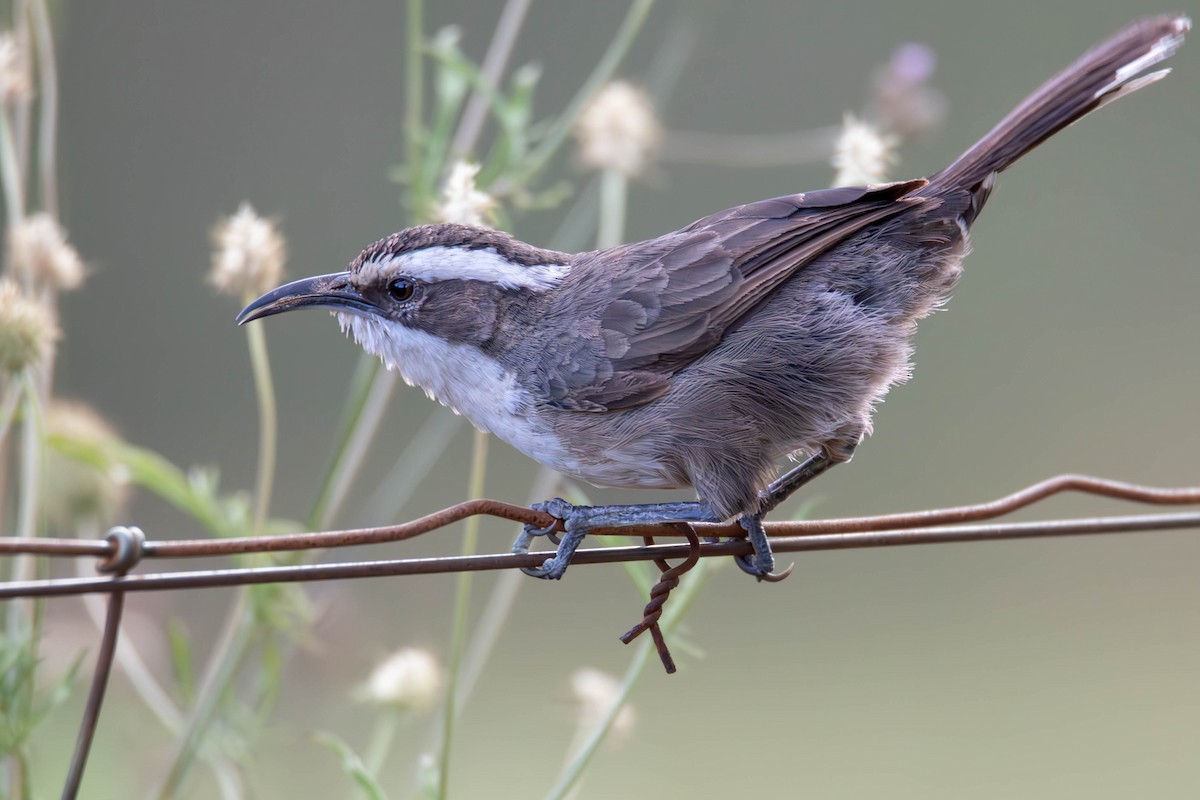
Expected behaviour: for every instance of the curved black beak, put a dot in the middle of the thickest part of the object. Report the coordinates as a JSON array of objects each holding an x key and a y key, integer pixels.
[{"x": 326, "y": 291}]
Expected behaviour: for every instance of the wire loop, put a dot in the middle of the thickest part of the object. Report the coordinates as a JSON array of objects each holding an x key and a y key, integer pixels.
[{"x": 128, "y": 545}]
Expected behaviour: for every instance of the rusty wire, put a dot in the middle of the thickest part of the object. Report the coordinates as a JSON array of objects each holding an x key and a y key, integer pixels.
[
  {"x": 124, "y": 548},
  {"x": 189, "y": 548}
]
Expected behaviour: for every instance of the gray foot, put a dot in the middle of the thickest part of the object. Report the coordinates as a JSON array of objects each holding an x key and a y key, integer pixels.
[
  {"x": 761, "y": 564},
  {"x": 578, "y": 520}
]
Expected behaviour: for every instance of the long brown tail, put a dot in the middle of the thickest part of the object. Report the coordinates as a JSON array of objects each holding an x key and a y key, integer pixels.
[{"x": 1111, "y": 70}]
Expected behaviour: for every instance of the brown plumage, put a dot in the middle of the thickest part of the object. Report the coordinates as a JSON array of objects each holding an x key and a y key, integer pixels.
[{"x": 701, "y": 357}]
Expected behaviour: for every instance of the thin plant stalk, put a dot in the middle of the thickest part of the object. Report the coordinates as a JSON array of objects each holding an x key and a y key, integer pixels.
[
  {"x": 374, "y": 385},
  {"x": 681, "y": 601},
  {"x": 508, "y": 26},
  {"x": 354, "y": 448},
  {"x": 356, "y": 399},
  {"x": 414, "y": 69},
  {"x": 23, "y": 616},
  {"x": 22, "y": 108},
  {"x": 47, "y": 106},
  {"x": 424, "y": 450},
  {"x": 25, "y": 566},
  {"x": 499, "y": 603},
  {"x": 226, "y": 658},
  {"x": 614, "y": 190},
  {"x": 10, "y": 172},
  {"x": 381, "y": 739},
  {"x": 601, "y": 74},
  {"x": 239, "y": 629},
  {"x": 461, "y": 611},
  {"x": 268, "y": 424},
  {"x": 8, "y": 404}
]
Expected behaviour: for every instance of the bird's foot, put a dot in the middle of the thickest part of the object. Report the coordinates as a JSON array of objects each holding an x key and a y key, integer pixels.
[
  {"x": 761, "y": 564},
  {"x": 562, "y": 511}
]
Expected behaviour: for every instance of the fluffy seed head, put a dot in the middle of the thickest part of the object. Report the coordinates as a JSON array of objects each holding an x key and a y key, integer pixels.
[
  {"x": 409, "y": 678},
  {"x": 596, "y": 692},
  {"x": 27, "y": 331},
  {"x": 618, "y": 130},
  {"x": 248, "y": 254},
  {"x": 862, "y": 154},
  {"x": 14, "y": 78},
  {"x": 38, "y": 249},
  {"x": 75, "y": 492},
  {"x": 462, "y": 201}
]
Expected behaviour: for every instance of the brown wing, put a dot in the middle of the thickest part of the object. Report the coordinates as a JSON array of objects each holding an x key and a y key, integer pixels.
[{"x": 658, "y": 305}]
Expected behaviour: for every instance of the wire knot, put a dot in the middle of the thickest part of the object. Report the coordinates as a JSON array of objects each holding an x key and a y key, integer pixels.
[{"x": 128, "y": 547}]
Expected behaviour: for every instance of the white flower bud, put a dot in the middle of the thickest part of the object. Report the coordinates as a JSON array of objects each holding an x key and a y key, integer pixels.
[
  {"x": 618, "y": 130},
  {"x": 248, "y": 254},
  {"x": 862, "y": 154},
  {"x": 38, "y": 249},
  {"x": 409, "y": 678},
  {"x": 462, "y": 202},
  {"x": 27, "y": 331}
]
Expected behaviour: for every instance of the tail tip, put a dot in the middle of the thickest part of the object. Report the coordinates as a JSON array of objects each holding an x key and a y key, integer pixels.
[{"x": 1129, "y": 78}]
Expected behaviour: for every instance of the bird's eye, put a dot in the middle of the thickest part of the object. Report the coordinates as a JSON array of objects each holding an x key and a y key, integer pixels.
[{"x": 402, "y": 289}]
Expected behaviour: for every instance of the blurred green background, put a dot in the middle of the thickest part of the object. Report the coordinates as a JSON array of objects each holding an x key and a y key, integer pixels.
[{"x": 1035, "y": 669}]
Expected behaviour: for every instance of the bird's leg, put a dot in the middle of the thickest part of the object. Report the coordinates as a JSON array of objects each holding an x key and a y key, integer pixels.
[
  {"x": 786, "y": 484},
  {"x": 578, "y": 520},
  {"x": 762, "y": 564}
]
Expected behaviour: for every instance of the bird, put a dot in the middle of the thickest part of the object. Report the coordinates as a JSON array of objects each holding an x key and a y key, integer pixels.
[{"x": 704, "y": 357}]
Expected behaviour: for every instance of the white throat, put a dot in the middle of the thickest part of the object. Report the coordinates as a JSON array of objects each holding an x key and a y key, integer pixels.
[{"x": 462, "y": 378}]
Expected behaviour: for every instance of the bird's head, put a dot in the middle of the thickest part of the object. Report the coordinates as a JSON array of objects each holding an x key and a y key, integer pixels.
[{"x": 412, "y": 292}]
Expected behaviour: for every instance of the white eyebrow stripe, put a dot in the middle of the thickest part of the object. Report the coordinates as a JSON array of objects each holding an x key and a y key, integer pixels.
[{"x": 455, "y": 263}]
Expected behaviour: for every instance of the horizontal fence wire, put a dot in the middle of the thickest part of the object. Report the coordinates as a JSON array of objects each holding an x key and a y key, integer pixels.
[
  {"x": 791, "y": 536},
  {"x": 123, "y": 548}
]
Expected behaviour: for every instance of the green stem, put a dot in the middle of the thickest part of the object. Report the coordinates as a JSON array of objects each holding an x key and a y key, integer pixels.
[
  {"x": 47, "y": 106},
  {"x": 239, "y": 630},
  {"x": 507, "y": 27},
  {"x": 381, "y": 740},
  {"x": 223, "y": 666},
  {"x": 412, "y": 466},
  {"x": 613, "y": 194},
  {"x": 414, "y": 106},
  {"x": 601, "y": 74},
  {"x": 268, "y": 424},
  {"x": 360, "y": 388},
  {"x": 24, "y": 566},
  {"x": 352, "y": 449},
  {"x": 8, "y": 404},
  {"x": 681, "y": 600},
  {"x": 499, "y": 604},
  {"x": 461, "y": 610},
  {"x": 23, "y": 618},
  {"x": 10, "y": 172}
]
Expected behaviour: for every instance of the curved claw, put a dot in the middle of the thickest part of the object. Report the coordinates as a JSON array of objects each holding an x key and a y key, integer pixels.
[
  {"x": 548, "y": 571},
  {"x": 776, "y": 577},
  {"x": 747, "y": 565},
  {"x": 533, "y": 530},
  {"x": 557, "y": 508}
]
